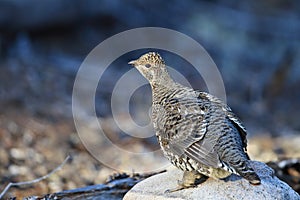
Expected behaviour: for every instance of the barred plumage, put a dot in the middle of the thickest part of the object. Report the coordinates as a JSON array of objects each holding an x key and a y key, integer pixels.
[{"x": 197, "y": 132}]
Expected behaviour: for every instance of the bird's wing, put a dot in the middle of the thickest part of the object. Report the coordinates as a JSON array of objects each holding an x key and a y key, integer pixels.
[
  {"x": 203, "y": 152},
  {"x": 186, "y": 124},
  {"x": 230, "y": 115},
  {"x": 240, "y": 127}
]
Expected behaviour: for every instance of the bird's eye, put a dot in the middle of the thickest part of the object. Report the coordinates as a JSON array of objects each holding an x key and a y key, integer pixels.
[{"x": 147, "y": 65}]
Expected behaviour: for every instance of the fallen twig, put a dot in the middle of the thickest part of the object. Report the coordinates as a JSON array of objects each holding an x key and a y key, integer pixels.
[
  {"x": 11, "y": 184},
  {"x": 114, "y": 188}
]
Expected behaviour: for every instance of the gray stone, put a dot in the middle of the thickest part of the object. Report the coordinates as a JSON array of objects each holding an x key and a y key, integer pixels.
[{"x": 233, "y": 187}]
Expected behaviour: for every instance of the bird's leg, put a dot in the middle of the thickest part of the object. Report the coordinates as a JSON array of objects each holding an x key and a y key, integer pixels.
[{"x": 189, "y": 179}]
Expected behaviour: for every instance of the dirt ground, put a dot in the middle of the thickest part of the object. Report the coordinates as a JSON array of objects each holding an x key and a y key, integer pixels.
[{"x": 32, "y": 147}]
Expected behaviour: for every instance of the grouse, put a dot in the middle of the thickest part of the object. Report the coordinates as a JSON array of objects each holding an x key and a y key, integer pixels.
[{"x": 197, "y": 132}]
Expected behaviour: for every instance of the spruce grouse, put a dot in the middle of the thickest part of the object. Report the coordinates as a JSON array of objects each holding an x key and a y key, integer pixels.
[{"x": 197, "y": 132}]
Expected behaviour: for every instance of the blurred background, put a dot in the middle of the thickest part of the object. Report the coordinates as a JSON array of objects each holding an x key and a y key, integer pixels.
[{"x": 42, "y": 45}]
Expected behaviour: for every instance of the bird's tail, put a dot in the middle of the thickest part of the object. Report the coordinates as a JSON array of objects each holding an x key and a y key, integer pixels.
[
  {"x": 240, "y": 165},
  {"x": 252, "y": 177},
  {"x": 246, "y": 171}
]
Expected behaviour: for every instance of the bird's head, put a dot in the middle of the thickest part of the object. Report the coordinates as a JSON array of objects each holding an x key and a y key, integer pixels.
[{"x": 152, "y": 67}]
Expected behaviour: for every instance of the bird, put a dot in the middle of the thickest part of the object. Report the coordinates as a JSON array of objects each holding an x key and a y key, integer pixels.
[{"x": 197, "y": 132}]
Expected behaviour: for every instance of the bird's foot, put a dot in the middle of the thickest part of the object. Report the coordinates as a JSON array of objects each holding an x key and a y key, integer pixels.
[
  {"x": 189, "y": 179},
  {"x": 180, "y": 186}
]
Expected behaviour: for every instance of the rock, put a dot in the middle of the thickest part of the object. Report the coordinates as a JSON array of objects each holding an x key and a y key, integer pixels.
[
  {"x": 233, "y": 187},
  {"x": 18, "y": 153},
  {"x": 16, "y": 170}
]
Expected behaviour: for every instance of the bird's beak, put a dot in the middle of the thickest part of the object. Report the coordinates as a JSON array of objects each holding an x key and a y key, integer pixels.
[{"x": 132, "y": 62}]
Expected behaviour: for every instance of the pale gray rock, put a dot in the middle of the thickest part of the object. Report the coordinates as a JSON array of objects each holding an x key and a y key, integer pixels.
[{"x": 233, "y": 187}]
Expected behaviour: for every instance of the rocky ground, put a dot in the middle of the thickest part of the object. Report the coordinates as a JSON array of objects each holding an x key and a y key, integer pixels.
[{"x": 32, "y": 147}]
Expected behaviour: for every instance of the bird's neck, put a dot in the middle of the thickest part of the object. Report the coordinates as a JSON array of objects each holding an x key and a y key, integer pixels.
[
  {"x": 163, "y": 80},
  {"x": 163, "y": 87}
]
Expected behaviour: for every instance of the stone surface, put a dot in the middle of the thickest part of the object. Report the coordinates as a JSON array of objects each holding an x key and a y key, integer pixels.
[{"x": 233, "y": 187}]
